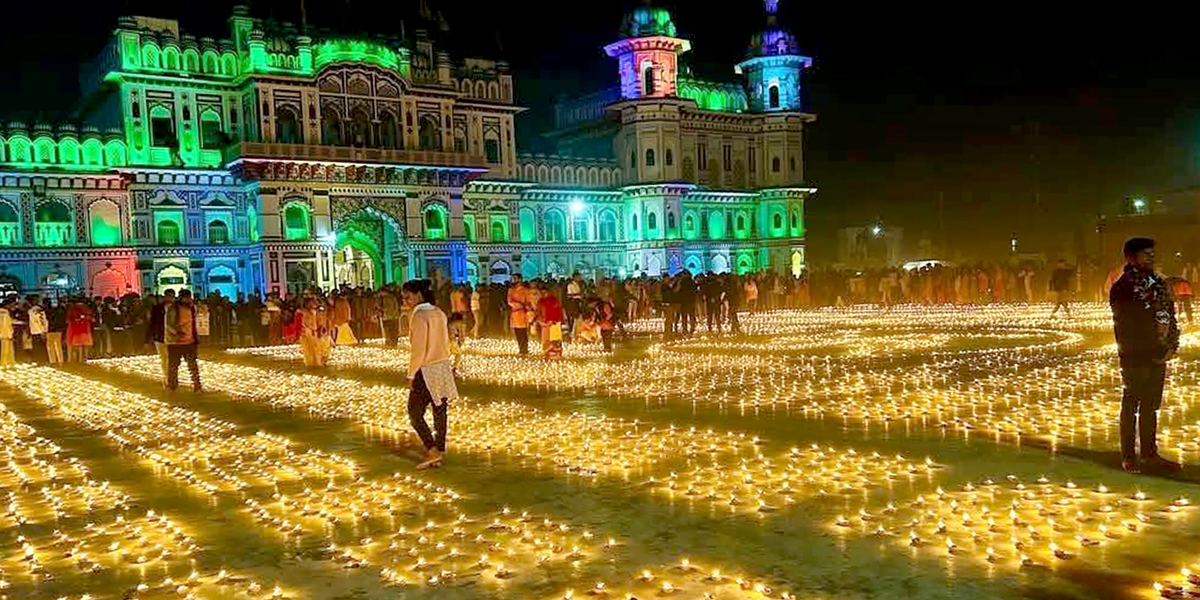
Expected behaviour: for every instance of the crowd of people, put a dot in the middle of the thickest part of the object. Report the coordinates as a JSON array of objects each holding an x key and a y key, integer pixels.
[{"x": 548, "y": 310}]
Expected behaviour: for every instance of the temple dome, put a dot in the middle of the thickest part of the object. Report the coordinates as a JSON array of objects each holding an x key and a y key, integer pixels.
[
  {"x": 773, "y": 40},
  {"x": 646, "y": 21}
]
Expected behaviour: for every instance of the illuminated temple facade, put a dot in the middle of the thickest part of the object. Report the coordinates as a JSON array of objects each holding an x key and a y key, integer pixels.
[{"x": 274, "y": 161}]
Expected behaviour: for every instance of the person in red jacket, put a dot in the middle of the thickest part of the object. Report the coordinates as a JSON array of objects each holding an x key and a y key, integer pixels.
[{"x": 550, "y": 317}]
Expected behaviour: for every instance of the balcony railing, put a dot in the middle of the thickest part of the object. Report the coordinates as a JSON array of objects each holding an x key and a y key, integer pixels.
[
  {"x": 49, "y": 235},
  {"x": 10, "y": 233},
  {"x": 385, "y": 156}
]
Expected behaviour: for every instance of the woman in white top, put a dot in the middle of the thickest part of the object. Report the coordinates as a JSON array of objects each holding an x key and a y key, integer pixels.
[{"x": 429, "y": 369}]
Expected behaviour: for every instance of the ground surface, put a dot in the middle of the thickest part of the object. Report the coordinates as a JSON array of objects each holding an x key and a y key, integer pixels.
[{"x": 919, "y": 453}]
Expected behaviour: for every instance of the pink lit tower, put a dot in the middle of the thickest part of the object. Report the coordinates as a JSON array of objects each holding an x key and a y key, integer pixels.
[{"x": 648, "y": 53}]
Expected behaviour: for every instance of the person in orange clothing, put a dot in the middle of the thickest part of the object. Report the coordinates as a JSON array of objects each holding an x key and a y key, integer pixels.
[
  {"x": 519, "y": 310},
  {"x": 340, "y": 320},
  {"x": 459, "y": 309},
  {"x": 1181, "y": 291}
]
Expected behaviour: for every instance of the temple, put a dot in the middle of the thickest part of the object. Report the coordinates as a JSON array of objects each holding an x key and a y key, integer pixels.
[{"x": 273, "y": 161}]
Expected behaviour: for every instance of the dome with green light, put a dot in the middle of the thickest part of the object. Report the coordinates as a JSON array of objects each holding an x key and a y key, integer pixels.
[{"x": 646, "y": 21}]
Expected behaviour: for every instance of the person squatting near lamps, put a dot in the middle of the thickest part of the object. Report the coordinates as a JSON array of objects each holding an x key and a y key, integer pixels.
[
  {"x": 1147, "y": 338},
  {"x": 429, "y": 369}
]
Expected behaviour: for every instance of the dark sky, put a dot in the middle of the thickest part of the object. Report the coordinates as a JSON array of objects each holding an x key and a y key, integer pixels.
[{"x": 1026, "y": 119}]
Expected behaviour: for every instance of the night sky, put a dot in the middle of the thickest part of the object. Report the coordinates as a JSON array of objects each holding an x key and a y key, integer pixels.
[{"x": 1026, "y": 121}]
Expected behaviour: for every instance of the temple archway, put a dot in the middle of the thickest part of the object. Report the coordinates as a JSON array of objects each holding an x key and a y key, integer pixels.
[
  {"x": 370, "y": 245},
  {"x": 171, "y": 277}
]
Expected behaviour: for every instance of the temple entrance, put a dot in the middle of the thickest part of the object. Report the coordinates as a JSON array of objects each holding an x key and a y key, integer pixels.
[
  {"x": 171, "y": 277},
  {"x": 356, "y": 267},
  {"x": 370, "y": 249}
]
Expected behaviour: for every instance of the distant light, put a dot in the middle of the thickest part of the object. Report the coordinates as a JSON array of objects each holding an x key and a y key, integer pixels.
[
  {"x": 329, "y": 238},
  {"x": 877, "y": 230},
  {"x": 577, "y": 206},
  {"x": 1139, "y": 203}
]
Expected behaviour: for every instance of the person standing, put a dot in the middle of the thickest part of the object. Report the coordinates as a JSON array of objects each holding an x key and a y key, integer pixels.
[
  {"x": 39, "y": 325},
  {"x": 314, "y": 335},
  {"x": 389, "y": 313},
  {"x": 459, "y": 307},
  {"x": 79, "y": 330},
  {"x": 8, "y": 357},
  {"x": 57, "y": 329},
  {"x": 574, "y": 304},
  {"x": 751, "y": 293},
  {"x": 519, "y": 311},
  {"x": 477, "y": 304},
  {"x": 550, "y": 322},
  {"x": 1181, "y": 291},
  {"x": 1062, "y": 283},
  {"x": 340, "y": 320},
  {"x": 1147, "y": 338},
  {"x": 429, "y": 371},
  {"x": 606, "y": 317},
  {"x": 182, "y": 340},
  {"x": 154, "y": 333}
]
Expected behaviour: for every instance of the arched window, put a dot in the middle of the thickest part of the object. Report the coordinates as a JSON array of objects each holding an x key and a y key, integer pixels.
[
  {"x": 331, "y": 127},
  {"x": 795, "y": 219},
  {"x": 527, "y": 221},
  {"x": 295, "y": 222},
  {"x": 387, "y": 131},
  {"x": 647, "y": 78},
  {"x": 469, "y": 227},
  {"x": 211, "y": 136},
  {"x": 435, "y": 223},
  {"x": 218, "y": 232},
  {"x": 775, "y": 164},
  {"x": 52, "y": 225},
  {"x": 634, "y": 224},
  {"x": 651, "y": 223},
  {"x": 168, "y": 233},
  {"x": 649, "y": 157},
  {"x": 555, "y": 227},
  {"x": 668, "y": 157},
  {"x": 162, "y": 127},
  {"x": 773, "y": 94},
  {"x": 633, "y": 159},
  {"x": 104, "y": 219},
  {"x": 777, "y": 221},
  {"x": 741, "y": 223},
  {"x": 608, "y": 226},
  {"x": 360, "y": 129},
  {"x": 491, "y": 147},
  {"x": 792, "y": 163},
  {"x": 690, "y": 231},
  {"x": 499, "y": 232},
  {"x": 10, "y": 225},
  {"x": 716, "y": 225},
  {"x": 430, "y": 133},
  {"x": 670, "y": 220},
  {"x": 579, "y": 228},
  {"x": 287, "y": 126}
]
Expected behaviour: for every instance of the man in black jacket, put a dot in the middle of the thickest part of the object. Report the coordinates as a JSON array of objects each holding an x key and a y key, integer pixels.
[{"x": 1147, "y": 337}]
